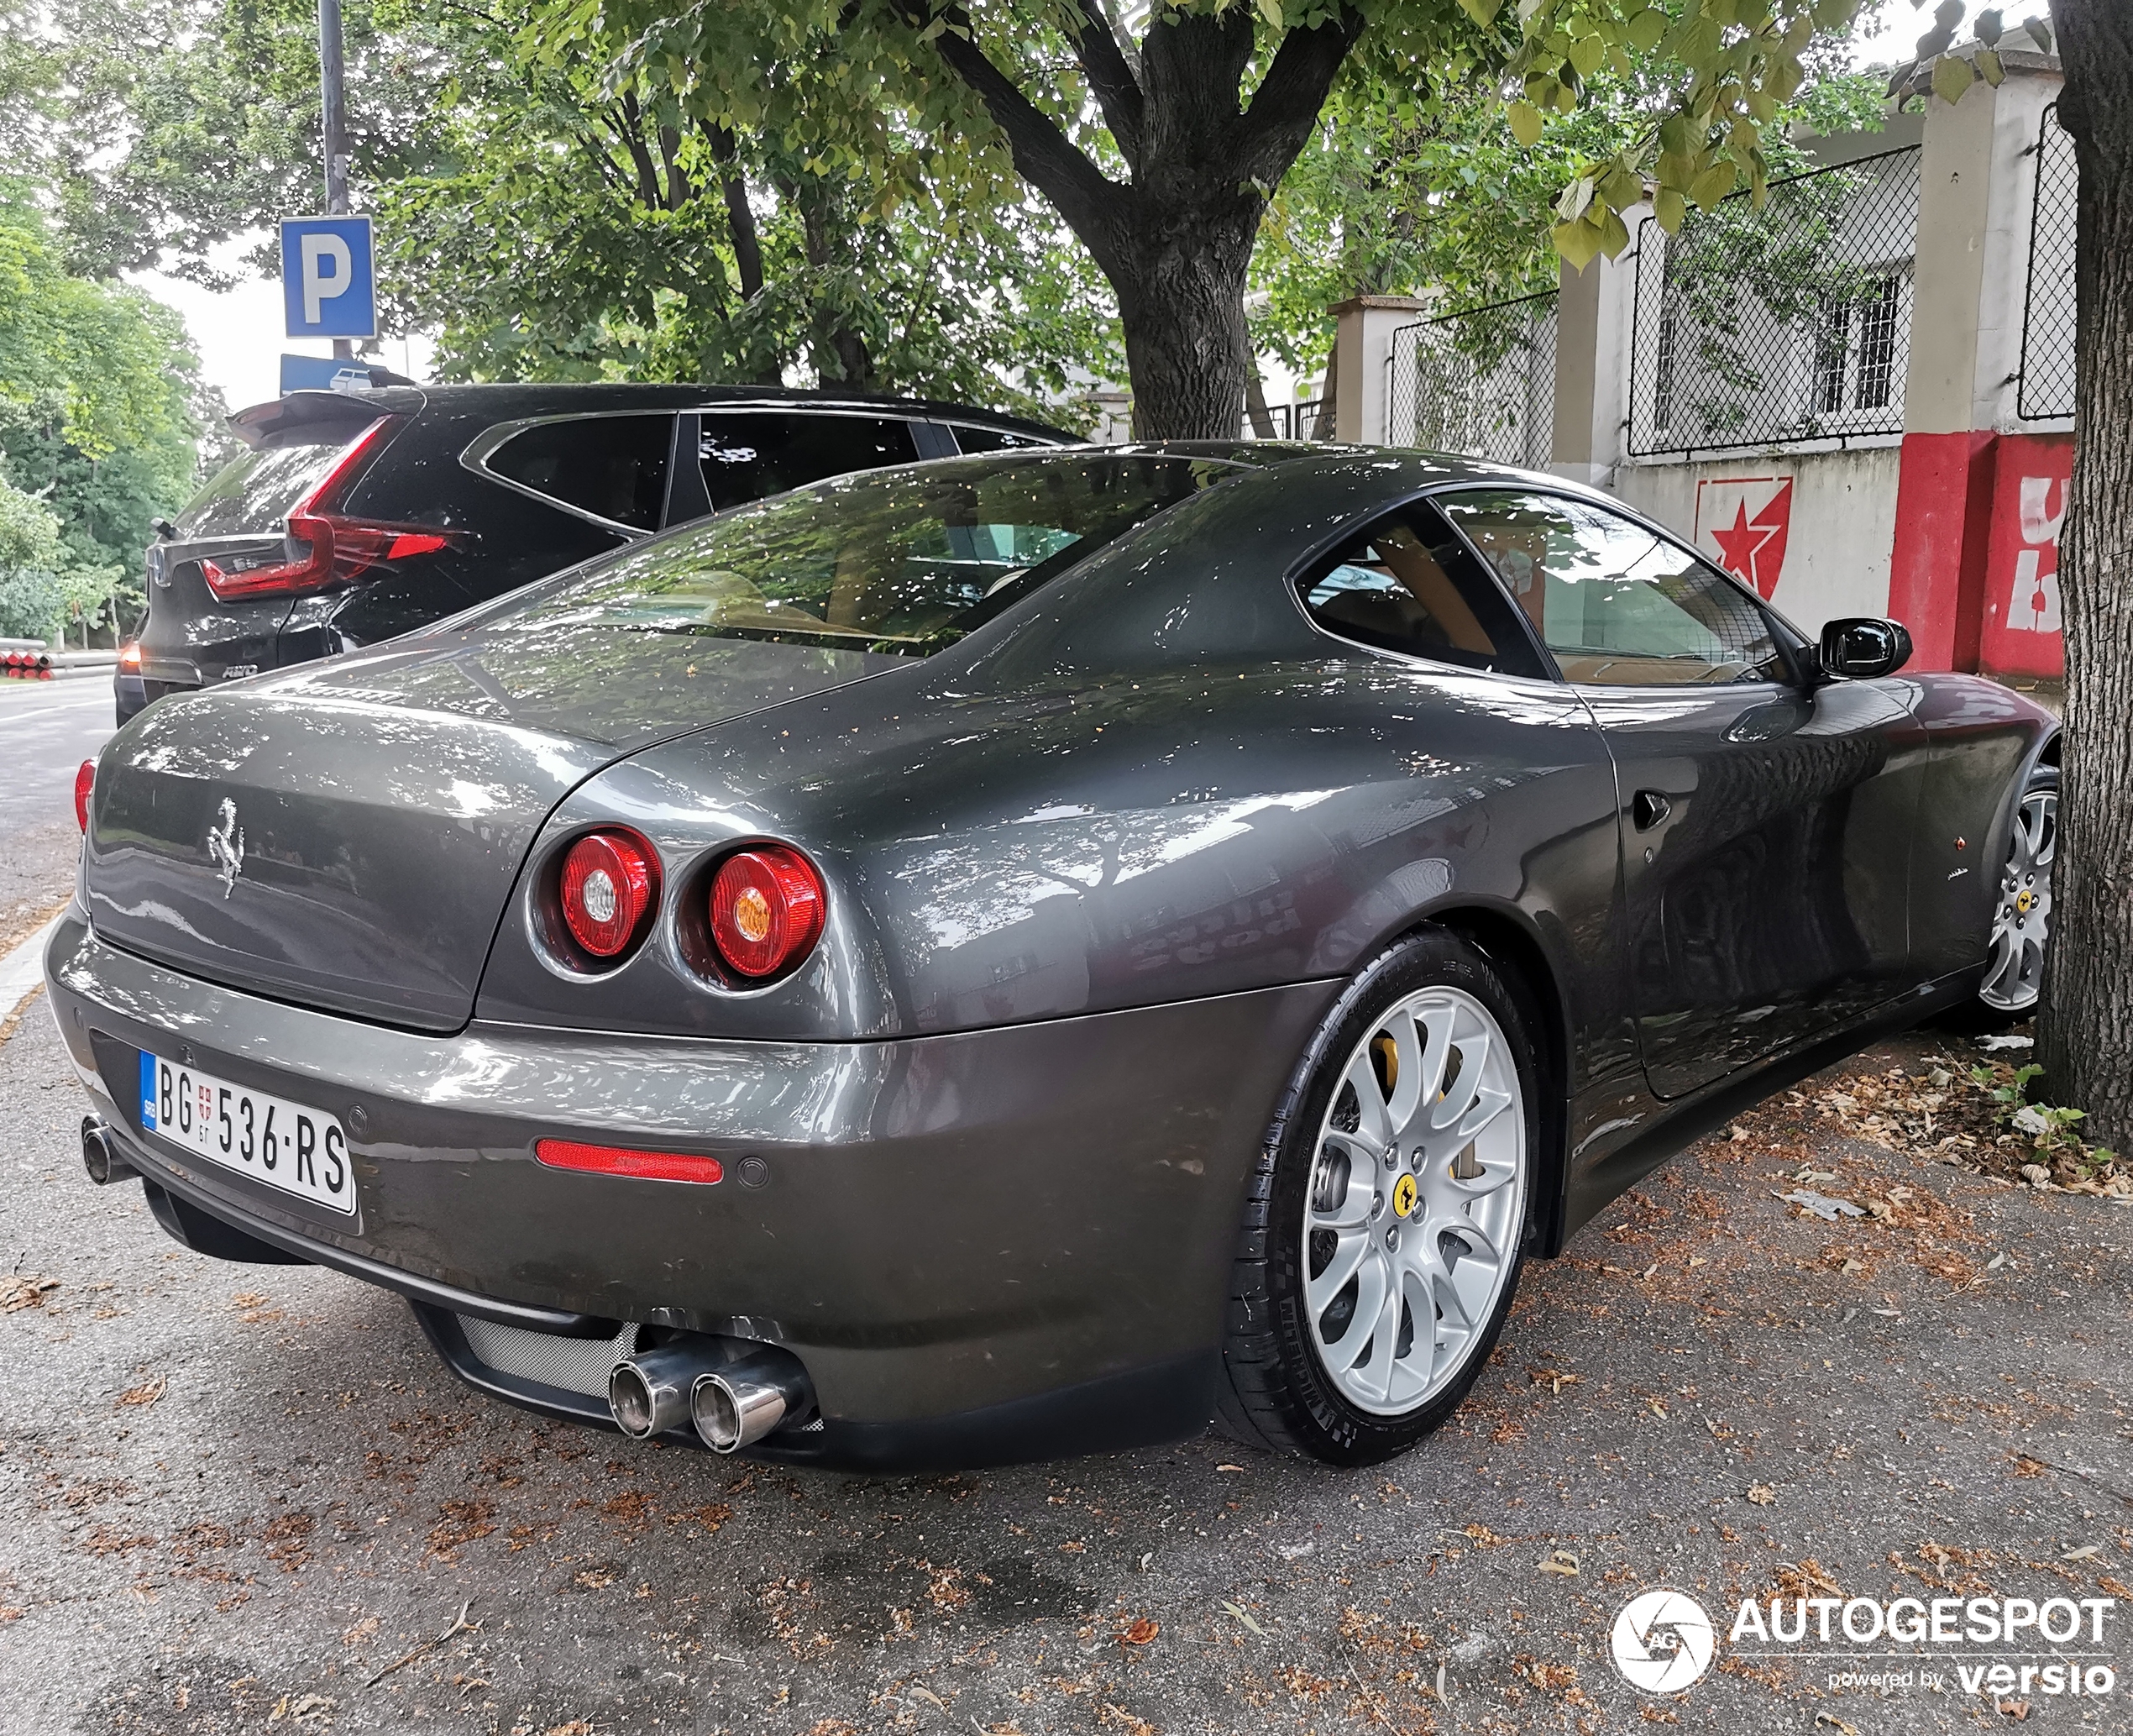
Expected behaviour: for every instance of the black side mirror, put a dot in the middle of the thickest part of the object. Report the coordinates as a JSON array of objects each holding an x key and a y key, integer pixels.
[{"x": 1861, "y": 648}]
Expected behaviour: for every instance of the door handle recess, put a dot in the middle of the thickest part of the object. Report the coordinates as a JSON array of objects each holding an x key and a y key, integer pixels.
[{"x": 1648, "y": 808}]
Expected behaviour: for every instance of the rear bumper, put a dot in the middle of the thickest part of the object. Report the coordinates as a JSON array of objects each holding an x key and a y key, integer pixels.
[{"x": 997, "y": 1244}]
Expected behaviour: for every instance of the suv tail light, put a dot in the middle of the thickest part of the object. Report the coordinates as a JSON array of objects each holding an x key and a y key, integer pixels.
[
  {"x": 325, "y": 548},
  {"x": 767, "y": 908},
  {"x": 609, "y": 890},
  {"x": 85, "y": 783}
]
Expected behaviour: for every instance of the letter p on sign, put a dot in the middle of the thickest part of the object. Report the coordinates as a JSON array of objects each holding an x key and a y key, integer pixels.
[{"x": 327, "y": 285}]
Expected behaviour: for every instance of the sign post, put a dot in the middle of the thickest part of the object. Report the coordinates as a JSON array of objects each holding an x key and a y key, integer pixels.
[{"x": 333, "y": 108}]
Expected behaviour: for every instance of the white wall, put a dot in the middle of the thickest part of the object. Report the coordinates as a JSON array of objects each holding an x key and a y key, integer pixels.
[{"x": 1824, "y": 553}]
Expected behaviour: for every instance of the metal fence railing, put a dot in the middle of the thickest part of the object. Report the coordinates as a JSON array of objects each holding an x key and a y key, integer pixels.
[
  {"x": 1786, "y": 326},
  {"x": 2046, "y": 391},
  {"x": 1482, "y": 382},
  {"x": 1298, "y": 421}
]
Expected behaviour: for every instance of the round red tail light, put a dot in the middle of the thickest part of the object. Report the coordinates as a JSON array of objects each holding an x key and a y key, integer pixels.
[
  {"x": 85, "y": 781},
  {"x": 767, "y": 906},
  {"x": 610, "y": 886}
]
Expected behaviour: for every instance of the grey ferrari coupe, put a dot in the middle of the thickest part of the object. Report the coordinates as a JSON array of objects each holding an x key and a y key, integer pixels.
[{"x": 1023, "y": 954}]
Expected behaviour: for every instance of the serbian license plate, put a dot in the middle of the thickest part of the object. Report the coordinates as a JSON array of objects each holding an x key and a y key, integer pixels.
[{"x": 289, "y": 1146}]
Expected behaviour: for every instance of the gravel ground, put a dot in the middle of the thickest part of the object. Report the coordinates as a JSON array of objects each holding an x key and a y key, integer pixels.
[{"x": 247, "y": 1499}]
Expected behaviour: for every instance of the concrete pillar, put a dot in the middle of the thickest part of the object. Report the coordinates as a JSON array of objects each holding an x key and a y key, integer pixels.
[
  {"x": 1363, "y": 333},
  {"x": 1976, "y": 180},
  {"x": 1592, "y": 314}
]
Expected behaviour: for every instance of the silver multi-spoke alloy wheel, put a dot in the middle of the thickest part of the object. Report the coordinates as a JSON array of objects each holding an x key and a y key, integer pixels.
[
  {"x": 2021, "y": 920},
  {"x": 1416, "y": 1201}
]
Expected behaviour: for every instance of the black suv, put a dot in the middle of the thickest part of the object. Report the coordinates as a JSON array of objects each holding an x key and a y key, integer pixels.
[{"x": 360, "y": 515}]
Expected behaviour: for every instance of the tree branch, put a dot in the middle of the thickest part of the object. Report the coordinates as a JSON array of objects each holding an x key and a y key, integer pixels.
[
  {"x": 1111, "y": 78},
  {"x": 740, "y": 215},
  {"x": 625, "y": 129},
  {"x": 1286, "y": 104},
  {"x": 679, "y": 191},
  {"x": 1044, "y": 155}
]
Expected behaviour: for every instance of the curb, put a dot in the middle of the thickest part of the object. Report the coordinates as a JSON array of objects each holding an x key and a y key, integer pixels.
[{"x": 22, "y": 971}]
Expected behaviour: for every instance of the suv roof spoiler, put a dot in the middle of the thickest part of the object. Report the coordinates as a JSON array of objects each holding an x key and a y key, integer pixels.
[{"x": 353, "y": 408}]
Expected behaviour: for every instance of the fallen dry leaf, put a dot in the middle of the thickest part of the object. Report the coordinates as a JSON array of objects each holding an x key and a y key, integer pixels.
[
  {"x": 1140, "y": 1632},
  {"x": 1555, "y": 1379},
  {"x": 20, "y": 1290},
  {"x": 1762, "y": 1494},
  {"x": 1562, "y": 1561},
  {"x": 147, "y": 1392}
]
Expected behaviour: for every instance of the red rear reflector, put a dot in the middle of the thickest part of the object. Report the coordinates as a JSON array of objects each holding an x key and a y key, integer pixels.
[
  {"x": 130, "y": 658},
  {"x": 766, "y": 907},
  {"x": 85, "y": 781},
  {"x": 611, "y": 883},
  {"x": 620, "y": 1160}
]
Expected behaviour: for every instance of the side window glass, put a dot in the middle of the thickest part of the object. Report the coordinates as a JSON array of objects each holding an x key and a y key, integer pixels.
[
  {"x": 1618, "y": 606},
  {"x": 969, "y": 439},
  {"x": 1405, "y": 584},
  {"x": 614, "y": 467},
  {"x": 747, "y": 457}
]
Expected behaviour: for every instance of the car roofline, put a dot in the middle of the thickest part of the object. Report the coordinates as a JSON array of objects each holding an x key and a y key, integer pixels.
[{"x": 256, "y": 423}]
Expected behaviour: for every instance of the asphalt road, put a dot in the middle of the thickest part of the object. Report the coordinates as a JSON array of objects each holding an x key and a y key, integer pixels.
[
  {"x": 47, "y": 729},
  {"x": 247, "y": 1499}
]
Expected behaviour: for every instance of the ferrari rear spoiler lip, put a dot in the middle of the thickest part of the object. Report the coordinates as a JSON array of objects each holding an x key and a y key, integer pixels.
[{"x": 530, "y": 1316}]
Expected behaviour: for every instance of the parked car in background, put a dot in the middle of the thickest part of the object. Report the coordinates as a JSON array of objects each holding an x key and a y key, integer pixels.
[{"x": 359, "y": 516}]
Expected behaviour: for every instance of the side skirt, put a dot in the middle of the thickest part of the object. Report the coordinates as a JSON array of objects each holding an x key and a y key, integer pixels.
[{"x": 1661, "y": 1129}]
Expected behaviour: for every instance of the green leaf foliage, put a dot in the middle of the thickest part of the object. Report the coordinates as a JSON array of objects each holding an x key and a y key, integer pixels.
[{"x": 97, "y": 386}]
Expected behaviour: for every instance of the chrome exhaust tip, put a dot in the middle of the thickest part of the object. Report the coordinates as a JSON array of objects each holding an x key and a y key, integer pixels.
[
  {"x": 648, "y": 1392},
  {"x": 736, "y": 1405},
  {"x": 100, "y": 1157}
]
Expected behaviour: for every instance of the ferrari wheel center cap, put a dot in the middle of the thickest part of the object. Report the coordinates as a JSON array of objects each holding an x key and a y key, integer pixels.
[
  {"x": 2025, "y": 902},
  {"x": 1405, "y": 1194}
]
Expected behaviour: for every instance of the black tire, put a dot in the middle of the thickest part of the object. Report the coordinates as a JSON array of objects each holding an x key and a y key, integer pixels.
[{"x": 1277, "y": 1393}]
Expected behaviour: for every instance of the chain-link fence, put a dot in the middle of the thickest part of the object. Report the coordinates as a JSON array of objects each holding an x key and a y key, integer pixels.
[
  {"x": 2046, "y": 388},
  {"x": 1482, "y": 382},
  {"x": 1786, "y": 326}
]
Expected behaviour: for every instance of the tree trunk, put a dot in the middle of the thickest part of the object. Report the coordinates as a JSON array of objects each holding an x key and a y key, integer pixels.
[
  {"x": 1175, "y": 240},
  {"x": 2085, "y": 1035},
  {"x": 1181, "y": 285},
  {"x": 839, "y": 350},
  {"x": 1257, "y": 416}
]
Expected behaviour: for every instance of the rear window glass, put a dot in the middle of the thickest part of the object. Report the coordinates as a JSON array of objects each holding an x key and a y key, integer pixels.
[
  {"x": 747, "y": 457},
  {"x": 614, "y": 467},
  {"x": 254, "y": 491},
  {"x": 902, "y": 562}
]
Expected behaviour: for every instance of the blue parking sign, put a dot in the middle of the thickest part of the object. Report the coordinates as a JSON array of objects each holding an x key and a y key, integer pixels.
[{"x": 327, "y": 286}]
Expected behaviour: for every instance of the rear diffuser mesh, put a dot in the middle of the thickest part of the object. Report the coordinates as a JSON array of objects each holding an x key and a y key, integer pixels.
[{"x": 572, "y": 1364}]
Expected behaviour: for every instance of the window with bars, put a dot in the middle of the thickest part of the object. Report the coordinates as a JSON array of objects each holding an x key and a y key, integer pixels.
[{"x": 1856, "y": 349}]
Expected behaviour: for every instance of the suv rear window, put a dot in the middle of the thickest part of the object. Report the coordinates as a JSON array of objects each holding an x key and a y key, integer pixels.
[
  {"x": 748, "y": 456},
  {"x": 254, "y": 491},
  {"x": 614, "y": 467},
  {"x": 897, "y": 563}
]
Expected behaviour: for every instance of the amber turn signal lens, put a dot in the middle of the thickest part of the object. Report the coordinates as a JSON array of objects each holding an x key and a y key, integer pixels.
[
  {"x": 766, "y": 908},
  {"x": 610, "y": 886},
  {"x": 85, "y": 783}
]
